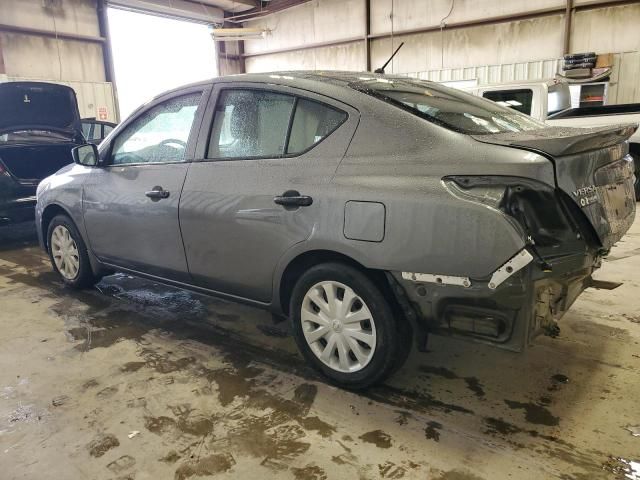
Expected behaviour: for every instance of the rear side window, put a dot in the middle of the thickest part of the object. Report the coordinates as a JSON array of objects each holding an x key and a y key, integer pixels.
[
  {"x": 312, "y": 121},
  {"x": 250, "y": 123},
  {"x": 519, "y": 99},
  {"x": 262, "y": 124}
]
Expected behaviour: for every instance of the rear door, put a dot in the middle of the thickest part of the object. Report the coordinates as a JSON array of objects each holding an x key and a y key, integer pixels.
[
  {"x": 131, "y": 202},
  {"x": 267, "y": 156}
]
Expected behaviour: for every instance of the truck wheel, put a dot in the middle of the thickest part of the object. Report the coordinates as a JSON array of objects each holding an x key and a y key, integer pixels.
[
  {"x": 344, "y": 326},
  {"x": 68, "y": 253}
]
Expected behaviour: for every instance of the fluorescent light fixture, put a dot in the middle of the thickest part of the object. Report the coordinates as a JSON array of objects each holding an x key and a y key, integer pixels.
[{"x": 228, "y": 34}]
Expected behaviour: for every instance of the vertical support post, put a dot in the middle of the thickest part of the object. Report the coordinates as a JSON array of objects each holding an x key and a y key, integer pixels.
[
  {"x": 567, "y": 27},
  {"x": 2, "y": 67},
  {"x": 229, "y": 55},
  {"x": 367, "y": 32},
  {"x": 107, "y": 54}
]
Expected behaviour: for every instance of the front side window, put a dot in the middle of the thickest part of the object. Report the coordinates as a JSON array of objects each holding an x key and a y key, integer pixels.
[
  {"x": 448, "y": 107},
  {"x": 519, "y": 99},
  {"x": 159, "y": 135},
  {"x": 250, "y": 123}
]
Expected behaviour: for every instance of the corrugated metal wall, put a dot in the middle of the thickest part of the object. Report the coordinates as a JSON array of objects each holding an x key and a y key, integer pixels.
[{"x": 623, "y": 87}]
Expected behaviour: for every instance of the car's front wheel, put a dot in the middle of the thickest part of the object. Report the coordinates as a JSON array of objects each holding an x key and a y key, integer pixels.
[
  {"x": 68, "y": 253},
  {"x": 344, "y": 326}
]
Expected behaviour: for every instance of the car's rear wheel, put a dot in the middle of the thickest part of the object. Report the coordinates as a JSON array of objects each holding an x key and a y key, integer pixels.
[
  {"x": 68, "y": 253},
  {"x": 344, "y": 326}
]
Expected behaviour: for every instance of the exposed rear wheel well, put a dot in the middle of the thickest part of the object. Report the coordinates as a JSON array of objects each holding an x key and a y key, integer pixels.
[
  {"x": 315, "y": 257},
  {"x": 49, "y": 213}
]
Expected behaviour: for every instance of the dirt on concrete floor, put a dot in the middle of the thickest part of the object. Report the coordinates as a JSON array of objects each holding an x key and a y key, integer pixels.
[{"x": 135, "y": 380}]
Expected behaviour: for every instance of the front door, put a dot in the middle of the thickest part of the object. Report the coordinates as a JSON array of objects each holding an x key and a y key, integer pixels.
[
  {"x": 261, "y": 185},
  {"x": 131, "y": 203}
]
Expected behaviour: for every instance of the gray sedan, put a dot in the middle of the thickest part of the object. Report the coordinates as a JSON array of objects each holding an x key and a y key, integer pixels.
[{"x": 368, "y": 209}]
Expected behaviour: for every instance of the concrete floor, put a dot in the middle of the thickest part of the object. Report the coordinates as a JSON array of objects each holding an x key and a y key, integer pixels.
[{"x": 138, "y": 380}]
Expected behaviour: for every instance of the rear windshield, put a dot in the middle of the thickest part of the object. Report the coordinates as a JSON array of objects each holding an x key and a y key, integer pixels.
[{"x": 451, "y": 108}]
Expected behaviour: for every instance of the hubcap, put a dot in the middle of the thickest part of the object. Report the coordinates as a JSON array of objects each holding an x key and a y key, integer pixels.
[
  {"x": 65, "y": 252},
  {"x": 338, "y": 326}
]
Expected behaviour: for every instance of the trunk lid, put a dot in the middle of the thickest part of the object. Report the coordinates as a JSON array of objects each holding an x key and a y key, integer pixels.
[
  {"x": 592, "y": 167},
  {"x": 38, "y": 106}
]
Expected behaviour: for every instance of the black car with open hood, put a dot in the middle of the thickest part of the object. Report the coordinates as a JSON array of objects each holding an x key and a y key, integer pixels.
[{"x": 39, "y": 125}]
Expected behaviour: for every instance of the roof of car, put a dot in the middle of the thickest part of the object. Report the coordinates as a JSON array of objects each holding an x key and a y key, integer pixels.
[{"x": 336, "y": 78}]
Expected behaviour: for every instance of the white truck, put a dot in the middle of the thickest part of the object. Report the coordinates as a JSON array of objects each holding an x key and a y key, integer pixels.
[{"x": 550, "y": 102}]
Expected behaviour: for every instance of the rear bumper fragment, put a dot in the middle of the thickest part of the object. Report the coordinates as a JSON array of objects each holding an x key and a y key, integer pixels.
[{"x": 526, "y": 300}]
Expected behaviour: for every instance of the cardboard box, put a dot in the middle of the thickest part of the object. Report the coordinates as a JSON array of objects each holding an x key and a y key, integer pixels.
[{"x": 604, "y": 60}]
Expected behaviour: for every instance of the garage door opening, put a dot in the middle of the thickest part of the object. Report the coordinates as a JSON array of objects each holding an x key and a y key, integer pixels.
[{"x": 152, "y": 54}]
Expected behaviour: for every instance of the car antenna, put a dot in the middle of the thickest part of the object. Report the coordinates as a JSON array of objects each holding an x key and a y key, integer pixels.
[{"x": 381, "y": 70}]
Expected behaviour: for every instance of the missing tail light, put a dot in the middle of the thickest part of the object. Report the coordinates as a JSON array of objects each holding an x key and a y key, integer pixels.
[{"x": 536, "y": 207}]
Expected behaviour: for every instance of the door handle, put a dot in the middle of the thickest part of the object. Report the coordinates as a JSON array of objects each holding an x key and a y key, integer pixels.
[
  {"x": 292, "y": 198},
  {"x": 157, "y": 193}
]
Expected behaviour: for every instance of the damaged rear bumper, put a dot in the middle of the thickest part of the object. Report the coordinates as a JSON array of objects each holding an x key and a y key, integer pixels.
[{"x": 520, "y": 300}]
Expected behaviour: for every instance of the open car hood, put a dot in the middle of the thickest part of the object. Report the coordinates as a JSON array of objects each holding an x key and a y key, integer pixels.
[{"x": 38, "y": 106}]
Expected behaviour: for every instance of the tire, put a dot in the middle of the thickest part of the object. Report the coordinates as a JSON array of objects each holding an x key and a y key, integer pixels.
[
  {"x": 376, "y": 359},
  {"x": 84, "y": 276}
]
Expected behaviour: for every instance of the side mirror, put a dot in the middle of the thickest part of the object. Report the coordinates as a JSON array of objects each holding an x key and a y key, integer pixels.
[{"x": 86, "y": 155}]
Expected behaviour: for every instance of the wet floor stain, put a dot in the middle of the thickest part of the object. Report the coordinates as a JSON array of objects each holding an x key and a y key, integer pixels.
[
  {"x": 379, "y": 438},
  {"x": 458, "y": 475},
  {"x": 432, "y": 431},
  {"x": 131, "y": 367},
  {"x": 403, "y": 417},
  {"x": 475, "y": 386},
  {"x": 392, "y": 471},
  {"x": 311, "y": 472},
  {"x": 472, "y": 383},
  {"x": 171, "y": 457},
  {"x": 102, "y": 444},
  {"x": 273, "y": 331},
  {"x": 206, "y": 466},
  {"x": 121, "y": 464},
  {"x": 622, "y": 468},
  {"x": 419, "y": 402},
  {"x": 314, "y": 423},
  {"x": 560, "y": 378},
  {"x": 534, "y": 413}
]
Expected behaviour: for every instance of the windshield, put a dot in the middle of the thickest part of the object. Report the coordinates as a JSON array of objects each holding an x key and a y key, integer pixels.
[
  {"x": 34, "y": 136},
  {"x": 448, "y": 107}
]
